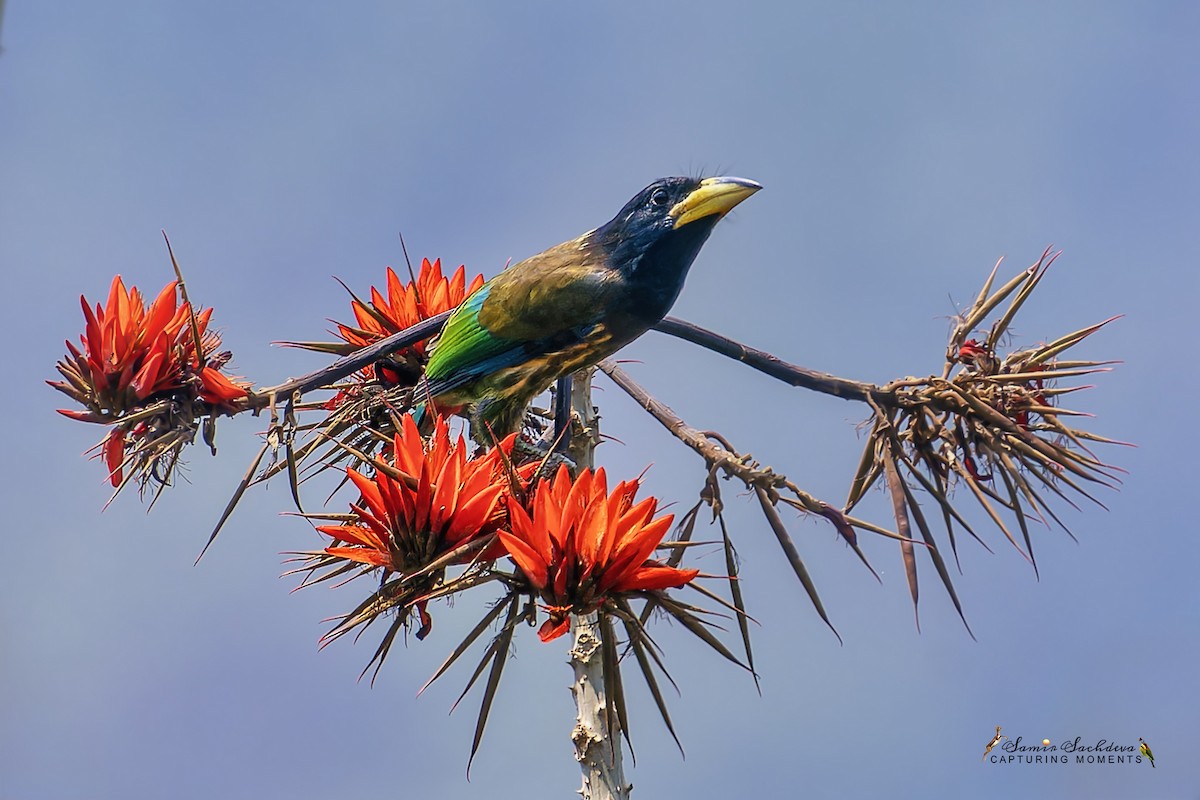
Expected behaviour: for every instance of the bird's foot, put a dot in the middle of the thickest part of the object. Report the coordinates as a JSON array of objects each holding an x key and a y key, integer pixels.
[{"x": 526, "y": 451}]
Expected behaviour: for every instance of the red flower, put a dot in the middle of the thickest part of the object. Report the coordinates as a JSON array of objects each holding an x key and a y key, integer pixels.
[
  {"x": 218, "y": 390},
  {"x": 405, "y": 305},
  {"x": 579, "y": 545},
  {"x": 439, "y": 500},
  {"x": 971, "y": 351},
  {"x": 131, "y": 354}
]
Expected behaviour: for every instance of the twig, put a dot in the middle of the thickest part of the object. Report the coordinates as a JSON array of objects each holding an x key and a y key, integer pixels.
[{"x": 720, "y": 455}]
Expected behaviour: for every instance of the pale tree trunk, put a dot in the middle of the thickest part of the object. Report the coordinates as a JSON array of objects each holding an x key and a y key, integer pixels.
[{"x": 597, "y": 747}]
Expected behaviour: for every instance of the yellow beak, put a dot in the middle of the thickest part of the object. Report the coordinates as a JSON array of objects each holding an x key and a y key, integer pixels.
[{"x": 713, "y": 196}]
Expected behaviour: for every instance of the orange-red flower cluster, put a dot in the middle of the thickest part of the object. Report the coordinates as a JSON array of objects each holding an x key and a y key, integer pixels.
[
  {"x": 438, "y": 500},
  {"x": 131, "y": 352},
  {"x": 578, "y": 545},
  {"x": 405, "y": 305},
  {"x": 131, "y": 355}
]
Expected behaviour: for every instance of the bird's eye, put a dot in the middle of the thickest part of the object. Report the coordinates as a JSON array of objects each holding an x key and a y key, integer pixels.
[{"x": 660, "y": 197}]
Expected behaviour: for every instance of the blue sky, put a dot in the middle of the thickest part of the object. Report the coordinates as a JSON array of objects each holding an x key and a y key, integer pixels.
[{"x": 903, "y": 147}]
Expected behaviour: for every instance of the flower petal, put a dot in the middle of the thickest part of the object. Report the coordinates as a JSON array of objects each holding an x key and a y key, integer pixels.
[
  {"x": 217, "y": 389},
  {"x": 655, "y": 576},
  {"x": 114, "y": 455},
  {"x": 552, "y": 629},
  {"x": 528, "y": 559},
  {"x": 362, "y": 555}
]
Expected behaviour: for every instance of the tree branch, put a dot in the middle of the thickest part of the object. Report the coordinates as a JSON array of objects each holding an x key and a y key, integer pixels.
[
  {"x": 764, "y": 362},
  {"x": 727, "y": 460},
  {"x": 770, "y": 486}
]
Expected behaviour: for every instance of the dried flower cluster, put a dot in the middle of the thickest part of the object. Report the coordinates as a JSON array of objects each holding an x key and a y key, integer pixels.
[{"x": 991, "y": 424}]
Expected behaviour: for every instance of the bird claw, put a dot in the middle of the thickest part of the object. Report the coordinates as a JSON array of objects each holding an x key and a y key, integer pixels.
[{"x": 541, "y": 450}]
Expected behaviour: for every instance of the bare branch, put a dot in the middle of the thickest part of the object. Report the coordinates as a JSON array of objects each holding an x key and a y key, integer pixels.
[{"x": 774, "y": 366}]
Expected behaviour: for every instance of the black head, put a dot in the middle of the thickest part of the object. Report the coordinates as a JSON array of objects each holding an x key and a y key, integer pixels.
[{"x": 656, "y": 236}]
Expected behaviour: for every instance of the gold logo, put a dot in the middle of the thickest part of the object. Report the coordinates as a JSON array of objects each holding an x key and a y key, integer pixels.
[{"x": 1067, "y": 751}]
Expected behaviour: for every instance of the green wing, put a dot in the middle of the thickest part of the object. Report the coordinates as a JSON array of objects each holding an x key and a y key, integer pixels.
[{"x": 544, "y": 303}]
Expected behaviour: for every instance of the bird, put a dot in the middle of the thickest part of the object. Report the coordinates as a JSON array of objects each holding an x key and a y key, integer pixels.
[
  {"x": 995, "y": 741},
  {"x": 1146, "y": 751},
  {"x": 571, "y": 306}
]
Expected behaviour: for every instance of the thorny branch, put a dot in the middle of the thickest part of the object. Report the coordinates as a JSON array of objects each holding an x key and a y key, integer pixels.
[
  {"x": 770, "y": 486},
  {"x": 987, "y": 419}
]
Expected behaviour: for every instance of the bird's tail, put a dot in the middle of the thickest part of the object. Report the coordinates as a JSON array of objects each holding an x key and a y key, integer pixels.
[
  {"x": 424, "y": 412},
  {"x": 423, "y": 407},
  {"x": 422, "y": 417},
  {"x": 417, "y": 413}
]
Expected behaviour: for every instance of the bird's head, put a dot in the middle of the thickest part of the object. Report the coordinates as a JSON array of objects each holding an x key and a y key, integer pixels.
[{"x": 656, "y": 236}]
